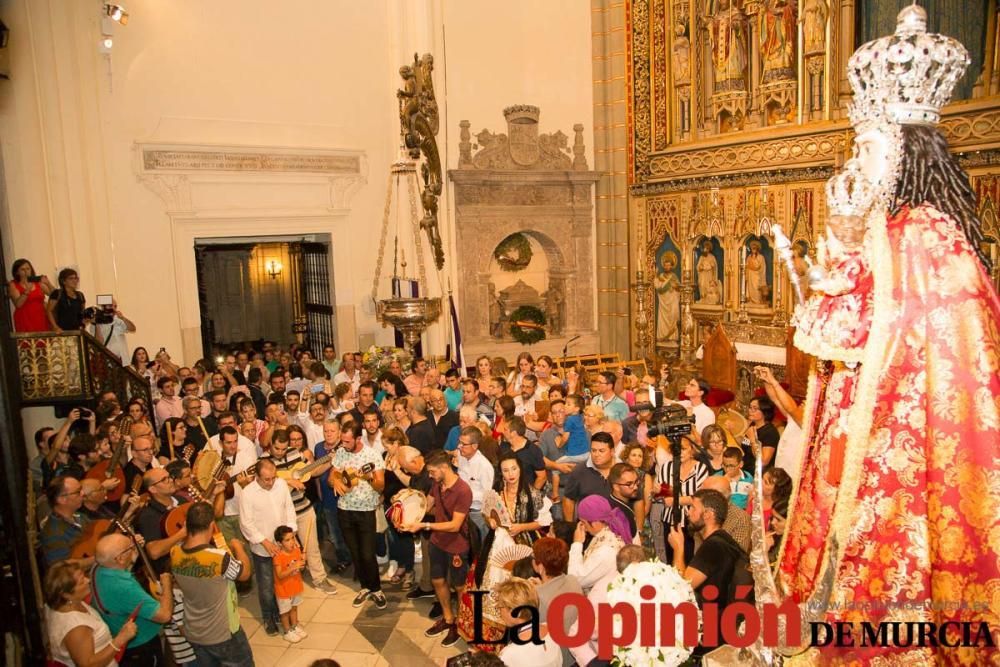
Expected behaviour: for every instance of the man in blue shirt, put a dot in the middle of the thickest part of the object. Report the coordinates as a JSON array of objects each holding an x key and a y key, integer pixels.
[
  {"x": 614, "y": 407},
  {"x": 328, "y": 508},
  {"x": 453, "y": 389}
]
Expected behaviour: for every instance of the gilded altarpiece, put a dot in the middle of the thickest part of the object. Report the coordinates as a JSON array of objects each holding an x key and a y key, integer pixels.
[{"x": 736, "y": 118}]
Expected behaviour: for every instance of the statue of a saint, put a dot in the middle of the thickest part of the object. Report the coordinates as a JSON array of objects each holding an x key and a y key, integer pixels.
[
  {"x": 777, "y": 39},
  {"x": 554, "y": 301},
  {"x": 755, "y": 269},
  {"x": 814, "y": 14},
  {"x": 668, "y": 299},
  {"x": 682, "y": 56},
  {"x": 709, "y": 289},
  {"x": 728, "y": 37},
  {"x": 497, "y": 314},
  {"x": 800, "y": 250}
]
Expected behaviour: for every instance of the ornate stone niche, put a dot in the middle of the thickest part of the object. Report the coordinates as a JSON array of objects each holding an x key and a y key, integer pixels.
[{"x": 537, "y": 185}]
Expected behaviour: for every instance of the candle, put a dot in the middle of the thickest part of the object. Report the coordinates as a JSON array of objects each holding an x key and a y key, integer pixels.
[{"x": 743, "y": 274}]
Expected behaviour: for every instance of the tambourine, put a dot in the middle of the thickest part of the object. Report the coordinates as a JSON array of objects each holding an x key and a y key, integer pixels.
[
  {"x": 205, "y": 471},
  {"x": 408, "y": 507},
  {"x": 734, "y": 424}
]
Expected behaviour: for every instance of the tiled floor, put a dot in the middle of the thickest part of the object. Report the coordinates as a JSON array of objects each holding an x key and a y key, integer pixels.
[{"x": 364, "y": 637}]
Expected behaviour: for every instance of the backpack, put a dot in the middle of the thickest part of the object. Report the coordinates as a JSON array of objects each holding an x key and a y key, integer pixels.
[{"x": 741, "y": 584}]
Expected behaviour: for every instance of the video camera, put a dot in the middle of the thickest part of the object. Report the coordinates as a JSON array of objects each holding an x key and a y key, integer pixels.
[
  {"x": 105, "y": 312},
  {"x": 669, "y": 420}
]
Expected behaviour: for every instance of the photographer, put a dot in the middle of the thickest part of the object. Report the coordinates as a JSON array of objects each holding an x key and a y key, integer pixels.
[{"x": 108, "y": 325}]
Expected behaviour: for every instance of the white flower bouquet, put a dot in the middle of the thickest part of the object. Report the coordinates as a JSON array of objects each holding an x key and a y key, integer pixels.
[{"x": 670, "y": 589}]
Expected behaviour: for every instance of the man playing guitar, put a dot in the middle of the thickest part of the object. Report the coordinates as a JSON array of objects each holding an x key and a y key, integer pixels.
[{"x": 284, "y": 458}]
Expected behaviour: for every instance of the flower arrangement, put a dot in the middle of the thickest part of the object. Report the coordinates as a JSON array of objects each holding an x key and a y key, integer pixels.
[
  {"x": 378, "y": 359},
  {"x": 672, "y": 589}
]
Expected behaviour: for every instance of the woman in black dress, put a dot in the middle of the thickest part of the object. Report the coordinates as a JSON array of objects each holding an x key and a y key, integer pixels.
[{"x": 66, "y": 304}]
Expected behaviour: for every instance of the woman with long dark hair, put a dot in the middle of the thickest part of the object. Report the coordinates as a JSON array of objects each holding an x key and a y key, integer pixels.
[
  {"x": 27, "y": 292},
  {"x": 525, "y": 365},
  {"x": 515, "y": 512},
  {"x": 392, "y": 387},
  {"x": 142, "y": 365}
]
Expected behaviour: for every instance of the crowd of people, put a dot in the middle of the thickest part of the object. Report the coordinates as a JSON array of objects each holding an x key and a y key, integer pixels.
[{"x": 524, "y": 483}]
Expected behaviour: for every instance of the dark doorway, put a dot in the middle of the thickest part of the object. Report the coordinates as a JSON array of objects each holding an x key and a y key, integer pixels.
[{"x": 269, "y": 288}]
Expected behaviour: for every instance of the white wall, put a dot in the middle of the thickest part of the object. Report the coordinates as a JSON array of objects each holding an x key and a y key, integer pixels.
[
  {"x": 318, "y": 74},
  {"x": 519, "y": 52}
]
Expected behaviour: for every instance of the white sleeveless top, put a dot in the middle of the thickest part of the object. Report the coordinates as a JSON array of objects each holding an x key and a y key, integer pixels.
[{"x": 60, "y": 623}]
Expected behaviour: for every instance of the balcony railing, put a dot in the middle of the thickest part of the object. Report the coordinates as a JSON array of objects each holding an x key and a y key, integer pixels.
[{"x": 72, "y": 367}]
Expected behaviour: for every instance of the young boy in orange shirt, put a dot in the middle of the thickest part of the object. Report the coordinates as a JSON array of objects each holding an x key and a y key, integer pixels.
[{"x": 288, "y": 565}]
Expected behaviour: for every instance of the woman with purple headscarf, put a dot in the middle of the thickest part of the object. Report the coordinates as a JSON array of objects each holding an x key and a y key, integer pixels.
[{"x": 610, "y": 532}]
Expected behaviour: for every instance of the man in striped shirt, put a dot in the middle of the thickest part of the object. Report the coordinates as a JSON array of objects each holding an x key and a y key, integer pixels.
[{"x": 284, "y": 459}]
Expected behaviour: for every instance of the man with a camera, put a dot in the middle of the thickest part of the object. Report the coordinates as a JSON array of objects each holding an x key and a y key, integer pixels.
[{"x": 108, "y": 325}]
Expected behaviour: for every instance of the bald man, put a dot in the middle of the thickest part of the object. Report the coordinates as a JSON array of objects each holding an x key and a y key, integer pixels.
[
  {"x": 737, "y": 522},
  {"x": 441, "y": 417},
  {"x": 94, "y": 495},
  {"x": 149, "y": 523},
  {"x": 143, "y": 452},
  {"x": 117, "y": 594}
]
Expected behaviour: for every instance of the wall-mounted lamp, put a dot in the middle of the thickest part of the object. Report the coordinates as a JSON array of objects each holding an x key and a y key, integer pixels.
[
  {"x": 116, "y": 13},
  {"x": 273, "y": 268}
]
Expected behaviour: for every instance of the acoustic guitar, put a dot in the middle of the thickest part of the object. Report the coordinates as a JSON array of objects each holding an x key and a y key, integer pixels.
[
  {"x": 152, "y": 581},
  {"x": 86, "y": 545},
  {"x": 302, "y": 471},
  {"x": 177, "y": 519},
  {"x": 352, "y": 475},
  {"x": 112, "y": 467}
]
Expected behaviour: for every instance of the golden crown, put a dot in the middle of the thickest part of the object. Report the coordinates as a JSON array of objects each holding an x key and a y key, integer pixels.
[
  {"x": 906, "y": 77},
  {"x": 849, "y": 193}
]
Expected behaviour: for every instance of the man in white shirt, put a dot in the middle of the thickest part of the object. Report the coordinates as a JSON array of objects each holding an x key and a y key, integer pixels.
[
  {"x": 238, "y": 461},
  {"x": 265, "y": 504},
  {"x": 113, "y": 335},
  {"x": 696, "y": 390},
  {"x": 314, "y": 425},
  {"x": 476, "y": 470},
  {"x": 244, "y": 444},
  {"x": 330, "y": 362},
  {"x": 372, "y": 434},
  {"x": 348, "y": 373},
  {"x": 524, "y": 402}
]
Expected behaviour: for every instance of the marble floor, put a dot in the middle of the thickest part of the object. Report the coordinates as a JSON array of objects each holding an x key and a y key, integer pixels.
[{"x": 364, "y": 637}]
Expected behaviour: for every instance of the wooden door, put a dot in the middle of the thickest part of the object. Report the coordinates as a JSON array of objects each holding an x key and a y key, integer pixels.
[{"x": 230, "y": 297}]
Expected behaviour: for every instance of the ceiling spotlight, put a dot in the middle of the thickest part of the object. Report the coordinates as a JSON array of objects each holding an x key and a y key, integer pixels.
[
  {"x": 105, "y": 45},
  {"x": 116, "y": 12}
]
